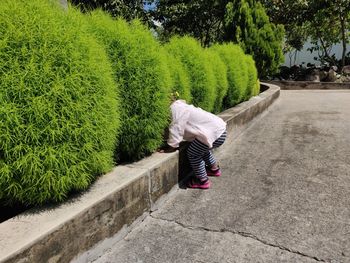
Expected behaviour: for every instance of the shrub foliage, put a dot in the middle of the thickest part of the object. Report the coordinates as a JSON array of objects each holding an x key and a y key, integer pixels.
[
  {"x": 220, "y": 73},
  {"x": 237, "y": 73},
  {"x": 58, "y": 107},
  {"x": 252, "y": 77},
  {"x": 139, "y": 66},
  {"x": 256, "y": 89},
  {"x": 180, "y": 81},
  {"x": 62, "y": 76},
  {"x": 202, "y": 79}
]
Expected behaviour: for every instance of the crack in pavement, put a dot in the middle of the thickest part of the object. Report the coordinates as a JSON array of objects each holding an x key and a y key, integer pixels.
[{"x": 240, "y": 233}]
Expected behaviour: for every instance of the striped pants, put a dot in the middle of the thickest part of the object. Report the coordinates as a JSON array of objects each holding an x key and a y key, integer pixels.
[{"x": 200, "y": 155}]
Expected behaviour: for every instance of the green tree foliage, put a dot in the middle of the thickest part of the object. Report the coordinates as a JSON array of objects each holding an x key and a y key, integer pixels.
[
  {"x": 202, "y": 78},
  {"x": 215, "y": 21},
  {"x": 326, "y": 22},
  {"x": 200, "y": 19},
  {"x": 237, "y": 73},
  {"x": 287, "y": 11},
  {"x": 58, "y": 106},
  {"x": 291, "y": 14},
  {"x": 246, "y": 23},
  {"x": 128, "y": 10},
  {"x": 329, "y": 25},
  {"x": 139, "y": 66},
  {"x": 220, "y": 73}
]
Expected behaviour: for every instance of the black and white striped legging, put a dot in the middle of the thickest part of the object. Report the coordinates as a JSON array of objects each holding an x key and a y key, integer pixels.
[{"x": 200, "y": 155}]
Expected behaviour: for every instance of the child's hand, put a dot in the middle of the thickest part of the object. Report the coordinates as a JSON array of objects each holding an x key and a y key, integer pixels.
[{"x": 167, "y": 149}]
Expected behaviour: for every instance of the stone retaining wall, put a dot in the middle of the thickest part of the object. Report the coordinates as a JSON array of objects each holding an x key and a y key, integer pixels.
[
  {"x": 297, "y": 85},
  {"x": 115, "y": 200}
]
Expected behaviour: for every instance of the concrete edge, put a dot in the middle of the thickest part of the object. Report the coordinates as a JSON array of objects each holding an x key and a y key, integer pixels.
[
  {"x": 115, "y": 200},
  {"x": 309, "y": 85},
  {"x": 238, "y": 117}
]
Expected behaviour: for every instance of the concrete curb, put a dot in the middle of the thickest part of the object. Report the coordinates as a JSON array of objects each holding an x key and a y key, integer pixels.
[
  {"x": 58, "y": 234},
  {"x": 310, "y": 85}
]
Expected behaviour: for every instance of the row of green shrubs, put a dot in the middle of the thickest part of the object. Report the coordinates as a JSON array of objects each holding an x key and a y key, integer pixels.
[{"x": 78, "y": 92}]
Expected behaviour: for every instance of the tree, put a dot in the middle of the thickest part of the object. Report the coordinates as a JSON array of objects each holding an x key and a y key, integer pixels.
[
  {"x": 291, "y": 14},
  {"x": 118, "y": 8},
  {"x": 329, "y": 26},
  {"x": 325, "y": 22},
  {"x": 214, "y": 21},
  {"x": 247, "y": 23},
  {"x": 201, "y": 19}
]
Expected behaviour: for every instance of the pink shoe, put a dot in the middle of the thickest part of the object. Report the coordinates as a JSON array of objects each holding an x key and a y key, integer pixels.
[
  {"x": 216, "y": 172},
  {"x": 196, "y": 183}
]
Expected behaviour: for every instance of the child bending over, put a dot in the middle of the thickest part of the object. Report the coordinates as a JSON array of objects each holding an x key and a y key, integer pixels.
[{"x": 205, "y": 131}]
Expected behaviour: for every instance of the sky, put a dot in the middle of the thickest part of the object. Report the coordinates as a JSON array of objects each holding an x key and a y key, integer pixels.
[{"x": 149, "y": 7}]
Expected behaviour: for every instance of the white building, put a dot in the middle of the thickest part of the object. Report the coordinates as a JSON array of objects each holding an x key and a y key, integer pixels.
[{"x": 304, "y": 56}]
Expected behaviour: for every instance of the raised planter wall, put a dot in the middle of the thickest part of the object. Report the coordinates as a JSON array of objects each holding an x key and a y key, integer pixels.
[
  {"x": 297, "y": 85},
  {"x": 116, "y": 200}
]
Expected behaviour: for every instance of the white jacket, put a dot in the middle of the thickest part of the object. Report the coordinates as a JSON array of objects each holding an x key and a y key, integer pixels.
[{"x": 189, "y": 123}]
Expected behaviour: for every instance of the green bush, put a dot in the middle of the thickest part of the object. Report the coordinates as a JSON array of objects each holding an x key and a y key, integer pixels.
[
  {"x": 252, "y": 76},
  {"x": 237, "y": 73},
  {"x": 256, "y": 89},
  {"x": 58, "y": 106},
  {"x": 139, "y": 66},
  {"x": 220, "y": 72},
  {"x": 198, "y": 68},
  {"x": 180, "y": 81}
]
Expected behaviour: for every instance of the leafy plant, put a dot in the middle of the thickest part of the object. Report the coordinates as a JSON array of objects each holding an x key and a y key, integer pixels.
[
  {"x": 202, "y": 78},
  {"x": 252, "y": 77},
  {"x": 256, "y": 89},
  {"x": 58, "y": 103},
  {"x": 180, "y": 81},
  {"x": 247, "y": 24},
  {"x": 237, "y": 72},
  {"x": 220, "y": 72},
  {"x": 139, "y": 66}
]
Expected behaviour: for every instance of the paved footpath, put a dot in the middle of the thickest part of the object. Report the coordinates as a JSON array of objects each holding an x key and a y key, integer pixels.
[{"x": 284, "y": 195}]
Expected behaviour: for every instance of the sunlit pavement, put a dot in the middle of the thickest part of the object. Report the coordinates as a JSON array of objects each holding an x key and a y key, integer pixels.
[{"x": 284, "y": 195}]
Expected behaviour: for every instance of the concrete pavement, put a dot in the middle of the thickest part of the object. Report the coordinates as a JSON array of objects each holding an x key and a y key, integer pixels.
[{"x": 284, "y": 195}]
